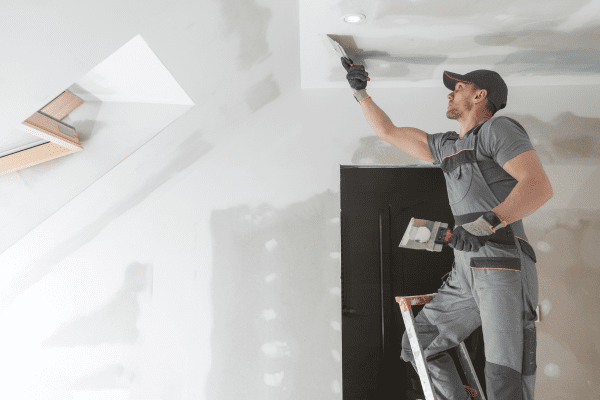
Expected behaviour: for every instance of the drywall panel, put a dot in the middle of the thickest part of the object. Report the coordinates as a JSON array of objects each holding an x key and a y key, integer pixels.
[{"x": 410, "y": 45}]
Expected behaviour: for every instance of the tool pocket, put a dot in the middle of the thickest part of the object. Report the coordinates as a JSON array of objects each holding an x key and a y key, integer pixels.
[
  {"x": 458, "y": 182},
  {"x": 497, "y": 281},
  {"x": 494, "y": 264},
  {"x": 527, "y": 249}
]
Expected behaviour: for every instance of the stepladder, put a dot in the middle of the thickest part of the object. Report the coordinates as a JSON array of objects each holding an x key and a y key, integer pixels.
[{"x": 473, "y": 389}]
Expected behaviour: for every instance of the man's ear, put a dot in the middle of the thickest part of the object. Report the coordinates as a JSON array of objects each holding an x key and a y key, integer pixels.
[{"x": 482, "y": 94}]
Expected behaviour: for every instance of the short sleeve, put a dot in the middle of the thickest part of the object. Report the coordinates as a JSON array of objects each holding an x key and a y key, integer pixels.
[
  {"x": 505, "y": 140},
  {"x": 435, "y": 142}
]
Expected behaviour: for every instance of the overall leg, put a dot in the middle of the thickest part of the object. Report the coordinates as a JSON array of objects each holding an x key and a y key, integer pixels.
[
  {"x": 441, "y": 325},
  {"x": 501, "y": 289}
]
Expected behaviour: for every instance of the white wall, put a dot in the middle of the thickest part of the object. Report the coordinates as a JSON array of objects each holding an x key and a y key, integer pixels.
[{"x": 206, "y": 264}]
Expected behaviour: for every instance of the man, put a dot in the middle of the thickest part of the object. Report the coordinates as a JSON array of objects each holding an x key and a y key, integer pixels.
[{"x": 494, "y": 178}]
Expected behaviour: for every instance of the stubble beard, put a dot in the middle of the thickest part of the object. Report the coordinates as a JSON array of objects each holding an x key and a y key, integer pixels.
[{"x": 452, "y": 113}]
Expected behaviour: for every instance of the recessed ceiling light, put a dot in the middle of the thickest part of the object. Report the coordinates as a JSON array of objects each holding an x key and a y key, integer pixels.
[{"x": 354, "y": 18}]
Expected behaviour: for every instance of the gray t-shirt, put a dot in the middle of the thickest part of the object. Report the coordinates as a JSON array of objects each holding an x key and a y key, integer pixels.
[{"x": 500, "y": 139}]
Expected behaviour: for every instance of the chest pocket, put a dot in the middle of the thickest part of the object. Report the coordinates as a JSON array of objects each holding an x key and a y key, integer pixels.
[
  {"x": 458, "y": 182},
  {"x": 458, "y": 168}
]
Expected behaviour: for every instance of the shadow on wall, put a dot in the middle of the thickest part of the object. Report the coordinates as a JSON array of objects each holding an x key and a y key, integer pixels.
[
  {"x": 276, "y": 301},
  {"x": 113, "y": 323},
  {"x": 113, "y": 376}
]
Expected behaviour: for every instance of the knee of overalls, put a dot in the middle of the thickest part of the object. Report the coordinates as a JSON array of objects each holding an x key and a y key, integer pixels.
[{"x": 406, "y": 354}]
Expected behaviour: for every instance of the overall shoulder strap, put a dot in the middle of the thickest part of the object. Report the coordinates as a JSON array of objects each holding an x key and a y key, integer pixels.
[{"x": 476, "y": 134}]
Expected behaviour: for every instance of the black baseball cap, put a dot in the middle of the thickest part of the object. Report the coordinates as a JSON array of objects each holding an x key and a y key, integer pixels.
[{"x": 497, "y": 91}]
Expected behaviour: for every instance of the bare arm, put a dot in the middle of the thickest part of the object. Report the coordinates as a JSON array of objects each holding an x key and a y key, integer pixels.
[
  {"x": 412, "y": 141},
  {"x": 532, "y": 190}
]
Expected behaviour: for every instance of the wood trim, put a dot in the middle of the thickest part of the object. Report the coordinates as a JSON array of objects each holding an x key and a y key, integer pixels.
[
  {"x": 30, "y": 157},
  {"x": 62, "y": 105},
  {"x": 57, "y": 130},
  {"x": 46, "y": 125}
]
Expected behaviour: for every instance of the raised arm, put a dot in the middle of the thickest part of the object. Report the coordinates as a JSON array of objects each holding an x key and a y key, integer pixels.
[{"x": 412, "y": 141}]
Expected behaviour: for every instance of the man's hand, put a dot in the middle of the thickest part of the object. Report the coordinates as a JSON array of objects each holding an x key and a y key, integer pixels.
[
  {"x": 463, "y": 240},
  {"x": 357, "y": 76},
  {"x": 472, "y": 236}
]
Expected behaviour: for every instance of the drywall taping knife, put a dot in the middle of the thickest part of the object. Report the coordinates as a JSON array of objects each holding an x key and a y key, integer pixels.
[
  {"x": 340, "y": 50},
  {"x": 422, "y": 234}
]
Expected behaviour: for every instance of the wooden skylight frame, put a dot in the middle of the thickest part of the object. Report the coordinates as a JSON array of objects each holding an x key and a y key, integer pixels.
[{"x": 47, "y": 125}]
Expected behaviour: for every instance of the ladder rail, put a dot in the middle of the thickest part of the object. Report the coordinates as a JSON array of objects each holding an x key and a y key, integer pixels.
[
  {"x": 417, "y": 350},
  {"x": 467, "y": 366},
  {"x": 406, "y": 302}
]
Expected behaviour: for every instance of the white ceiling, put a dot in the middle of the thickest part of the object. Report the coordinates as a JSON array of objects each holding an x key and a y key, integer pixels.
[
  {"x": 410, "y": 43},
  {"x": 162, "y": 199}
]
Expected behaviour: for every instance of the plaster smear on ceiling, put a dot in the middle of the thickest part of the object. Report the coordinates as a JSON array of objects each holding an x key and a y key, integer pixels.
[{"x": 410, "y": 44}]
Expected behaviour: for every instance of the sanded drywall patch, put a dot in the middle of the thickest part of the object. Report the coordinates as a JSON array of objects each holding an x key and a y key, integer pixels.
[
  {"x": 567, "y": 139},
  {"x": 374, "y": 151},
  {"x": 262, "y": 93},
  {"x": 113, "y": 322},
  {"x": 382, "y": 63},
  {"x": 527, "y": 42},
  {"x": 274, "y": 309},
  {"x": 569, "y": 276},
  {"x": 588, "y": 194},
  {"x": 186, "y": 153},
  {"x": 544, "y": 39},
  {"x": 247, "y": 22}
]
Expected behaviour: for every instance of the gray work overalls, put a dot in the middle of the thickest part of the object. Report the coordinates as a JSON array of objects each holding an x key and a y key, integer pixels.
[{"x": 495, "y": 287}]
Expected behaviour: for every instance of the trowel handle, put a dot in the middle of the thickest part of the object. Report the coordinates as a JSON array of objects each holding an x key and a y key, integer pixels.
[
  {"x": 443, "y": 236},
  {"x": 448, "y": 235}
]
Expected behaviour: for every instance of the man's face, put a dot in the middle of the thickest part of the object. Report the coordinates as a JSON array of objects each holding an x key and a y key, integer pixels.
[{"x": 460, "y": 100}]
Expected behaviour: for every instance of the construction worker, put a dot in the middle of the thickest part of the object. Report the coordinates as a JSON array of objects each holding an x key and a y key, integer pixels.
[{"x": 494, "y": 178}]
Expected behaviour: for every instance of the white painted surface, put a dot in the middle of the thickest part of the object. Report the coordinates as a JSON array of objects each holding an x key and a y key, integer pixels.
[
  {"x": 133, "y": 74},
  {"x": 458, "y": 32},
  {"x": 158, "y": 261}
]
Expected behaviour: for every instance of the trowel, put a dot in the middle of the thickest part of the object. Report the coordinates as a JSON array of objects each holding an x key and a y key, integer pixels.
[
  {"x": 339, "y": 44},
  {"x": 422, "y": 234}
]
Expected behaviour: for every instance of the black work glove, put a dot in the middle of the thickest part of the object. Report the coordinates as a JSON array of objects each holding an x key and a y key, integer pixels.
[
  {"x": 463, "y": 240},
  {"x": 473, "y": 235},
  {"x": 357, "y": 76}
]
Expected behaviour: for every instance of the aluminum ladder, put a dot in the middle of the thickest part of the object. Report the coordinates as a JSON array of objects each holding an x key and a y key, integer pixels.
[{"x": 474, "y": 388}]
